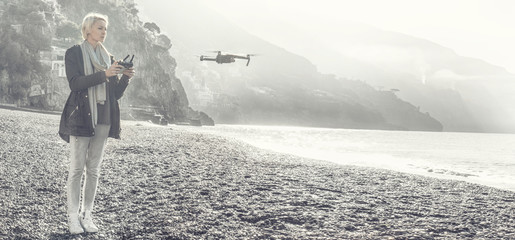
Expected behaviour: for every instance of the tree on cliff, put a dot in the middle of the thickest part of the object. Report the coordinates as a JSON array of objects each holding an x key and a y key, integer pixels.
[
  {"x": 152, "y": 27},
  {"x": 22, "y": 37},
  {"x": 68, "y": 31}
]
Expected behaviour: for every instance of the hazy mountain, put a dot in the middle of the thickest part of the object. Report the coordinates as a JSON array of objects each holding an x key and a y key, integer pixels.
[
  {"x": 279, "y": 87},
  {"x": 463, "y": 93}
]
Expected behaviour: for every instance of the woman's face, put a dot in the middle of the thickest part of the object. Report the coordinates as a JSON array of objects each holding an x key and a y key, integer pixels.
[{"x": 98, "y": 32}]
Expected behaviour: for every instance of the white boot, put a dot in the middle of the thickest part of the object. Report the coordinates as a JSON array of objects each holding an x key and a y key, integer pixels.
[
  {"x": 87, "y": 222},
  {"x": 74, "y": 225}
]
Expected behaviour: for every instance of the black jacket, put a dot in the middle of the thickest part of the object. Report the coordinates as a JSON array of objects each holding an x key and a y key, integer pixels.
[{"x": 76, "y": 116}]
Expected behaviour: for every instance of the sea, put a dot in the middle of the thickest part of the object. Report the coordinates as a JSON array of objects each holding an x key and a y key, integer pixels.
[{"x": 481, "y": 158}]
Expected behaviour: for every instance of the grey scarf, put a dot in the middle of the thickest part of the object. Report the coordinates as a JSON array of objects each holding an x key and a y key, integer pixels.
[{"x": 95, "y": 60}]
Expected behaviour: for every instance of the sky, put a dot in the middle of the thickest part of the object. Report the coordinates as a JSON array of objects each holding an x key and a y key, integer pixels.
[{"x": 481, "y": 29}]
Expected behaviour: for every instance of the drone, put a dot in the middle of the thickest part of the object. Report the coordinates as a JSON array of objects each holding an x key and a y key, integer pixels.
[{"x": 225, "y": 58}]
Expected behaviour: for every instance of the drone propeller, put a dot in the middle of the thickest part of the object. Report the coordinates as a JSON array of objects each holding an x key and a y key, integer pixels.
[
  {"x": 250, "y": 55},
  {"x": 201, "y": 57}
]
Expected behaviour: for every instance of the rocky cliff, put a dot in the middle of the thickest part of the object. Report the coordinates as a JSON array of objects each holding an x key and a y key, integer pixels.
[{"x": 154, "y": 90}]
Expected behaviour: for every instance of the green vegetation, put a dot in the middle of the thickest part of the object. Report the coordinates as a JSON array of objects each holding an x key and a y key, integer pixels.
[
  {"x": 35, "y": 28},
  {"x": 24, "y": 32}
]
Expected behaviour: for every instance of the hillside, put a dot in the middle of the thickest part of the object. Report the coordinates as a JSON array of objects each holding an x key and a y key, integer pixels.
[
  {"x": 53, "y": 26},
  {"x": 463, "y": 93},
  {"x": 279, "y": 87}
]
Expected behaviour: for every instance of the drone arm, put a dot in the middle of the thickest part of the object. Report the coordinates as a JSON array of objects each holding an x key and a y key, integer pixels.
[
  {"x": 202, "y": 58},
  {"x": 240, "y": 57}
]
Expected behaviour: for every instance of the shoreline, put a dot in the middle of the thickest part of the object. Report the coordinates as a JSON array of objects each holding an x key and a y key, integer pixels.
[
  {"x": 167, "y": 182},
  {"x": 498, "y": 181}
]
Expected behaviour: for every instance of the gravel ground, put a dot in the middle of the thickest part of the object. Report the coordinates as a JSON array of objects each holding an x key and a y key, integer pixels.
[{"x": 166, "y": 183}]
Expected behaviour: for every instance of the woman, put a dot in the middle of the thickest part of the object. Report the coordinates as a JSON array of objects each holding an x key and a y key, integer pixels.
[{"x": 90, "y": 116}]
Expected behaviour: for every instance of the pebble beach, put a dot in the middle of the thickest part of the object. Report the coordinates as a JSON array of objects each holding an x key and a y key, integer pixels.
[{"x": 168, "y": 183}]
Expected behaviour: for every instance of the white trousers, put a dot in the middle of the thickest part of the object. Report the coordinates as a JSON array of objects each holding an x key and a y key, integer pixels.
[{"x": 86, "y": 153}]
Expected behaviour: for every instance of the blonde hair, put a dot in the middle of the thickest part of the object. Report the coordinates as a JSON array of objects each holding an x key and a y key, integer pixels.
[{"x": 89, "y": 20}]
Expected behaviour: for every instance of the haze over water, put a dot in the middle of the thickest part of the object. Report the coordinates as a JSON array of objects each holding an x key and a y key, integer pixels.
[{"x": 486, "y": 159}]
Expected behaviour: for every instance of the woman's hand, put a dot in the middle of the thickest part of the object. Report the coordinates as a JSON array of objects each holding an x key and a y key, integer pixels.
[
  {"x": 113, "y": 70},
  {"x": 129, "y": 72}
]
